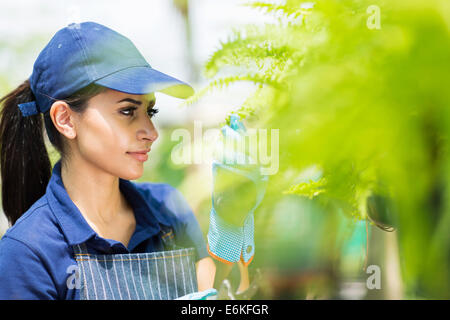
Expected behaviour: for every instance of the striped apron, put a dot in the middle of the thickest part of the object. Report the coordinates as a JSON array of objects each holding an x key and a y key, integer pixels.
[{"x": 159, "y": 275}]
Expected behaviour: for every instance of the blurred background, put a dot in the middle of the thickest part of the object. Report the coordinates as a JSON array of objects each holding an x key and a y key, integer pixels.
[{"x": 358, "y": 208}]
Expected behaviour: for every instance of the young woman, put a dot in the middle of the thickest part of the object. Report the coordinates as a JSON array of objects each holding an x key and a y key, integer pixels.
[{"x": 82, "y": 230}]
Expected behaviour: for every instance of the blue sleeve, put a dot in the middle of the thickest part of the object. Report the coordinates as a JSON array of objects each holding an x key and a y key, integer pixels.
[
  {"x": 23, "y": 276},
  {"x": 189, "y": 231}
]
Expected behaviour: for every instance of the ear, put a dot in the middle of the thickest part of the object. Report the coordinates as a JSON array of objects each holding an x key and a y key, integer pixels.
[{"x": 63, "y": 119}]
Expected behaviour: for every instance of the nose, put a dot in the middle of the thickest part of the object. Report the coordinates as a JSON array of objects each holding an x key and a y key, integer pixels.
[{"x": 148, "y": 131}]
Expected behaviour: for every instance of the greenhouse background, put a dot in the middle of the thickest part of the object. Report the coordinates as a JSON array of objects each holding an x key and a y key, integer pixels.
[{"x": 355, "y": 97}]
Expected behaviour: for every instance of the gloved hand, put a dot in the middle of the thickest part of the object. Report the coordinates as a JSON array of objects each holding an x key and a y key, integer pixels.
[{"x": 238, "y": 189}]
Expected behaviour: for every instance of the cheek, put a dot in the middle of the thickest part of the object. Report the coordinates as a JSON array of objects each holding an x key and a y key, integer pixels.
[
  {"x": 99, "y": 140},
  {"x": 106, "y": 147}
]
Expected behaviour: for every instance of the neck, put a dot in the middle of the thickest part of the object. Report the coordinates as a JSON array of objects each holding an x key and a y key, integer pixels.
[{"x": 95, "y": 192}]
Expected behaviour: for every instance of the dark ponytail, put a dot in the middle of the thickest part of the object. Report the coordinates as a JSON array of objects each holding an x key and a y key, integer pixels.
[{"x": 25, "y": 164}]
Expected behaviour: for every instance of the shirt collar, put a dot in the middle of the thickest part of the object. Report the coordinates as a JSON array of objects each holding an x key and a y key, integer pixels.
[{"x": 75, "y": 227}]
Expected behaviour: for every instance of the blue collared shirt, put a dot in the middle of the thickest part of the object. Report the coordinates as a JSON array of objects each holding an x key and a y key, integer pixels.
[{"x": 36, "y": 254}]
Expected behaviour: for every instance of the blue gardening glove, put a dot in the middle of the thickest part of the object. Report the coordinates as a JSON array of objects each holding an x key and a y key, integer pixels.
[{"x": 238, "y": 189}]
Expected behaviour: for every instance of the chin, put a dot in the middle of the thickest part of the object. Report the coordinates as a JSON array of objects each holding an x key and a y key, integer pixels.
[{"x": 134, "y": 174}]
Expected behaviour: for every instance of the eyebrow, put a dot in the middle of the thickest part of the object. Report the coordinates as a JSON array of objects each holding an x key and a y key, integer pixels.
[{"x": 151, "y": 103}]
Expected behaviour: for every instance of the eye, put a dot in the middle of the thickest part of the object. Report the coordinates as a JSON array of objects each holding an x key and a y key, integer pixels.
[
  {"x": 129, "y": 112},
  {"x": 152, "y": 111}
]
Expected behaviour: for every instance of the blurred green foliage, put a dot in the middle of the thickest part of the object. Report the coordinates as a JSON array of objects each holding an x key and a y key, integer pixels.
[{"x": 360, "y": 90}]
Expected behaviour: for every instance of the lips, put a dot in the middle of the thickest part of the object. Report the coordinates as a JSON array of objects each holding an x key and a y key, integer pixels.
[
  {"x": 140, "y": 155},
  {"x": 143, "y": 151}
]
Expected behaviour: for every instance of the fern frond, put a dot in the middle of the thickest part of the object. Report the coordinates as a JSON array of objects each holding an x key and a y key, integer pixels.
[
  {"x": 309, "y": 189},
  {"x": 288, "y": 9},
  {"x": 253, "y": 55},
  {"x": 226, "y": 81},
  {"x": 250, "y": 47}
]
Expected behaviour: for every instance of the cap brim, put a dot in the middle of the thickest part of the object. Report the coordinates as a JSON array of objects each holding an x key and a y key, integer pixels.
[{"x": 144, "y": 80}]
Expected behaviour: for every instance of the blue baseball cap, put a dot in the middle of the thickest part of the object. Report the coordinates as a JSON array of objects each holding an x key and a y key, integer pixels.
[{"x": 85, "y": 53}]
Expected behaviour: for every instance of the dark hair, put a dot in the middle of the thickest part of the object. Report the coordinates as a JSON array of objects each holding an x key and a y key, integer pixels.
[{"x": 25, "y": 163}]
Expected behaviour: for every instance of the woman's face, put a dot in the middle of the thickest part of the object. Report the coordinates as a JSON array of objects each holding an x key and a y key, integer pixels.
[{"x": 115, "y": 126}]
